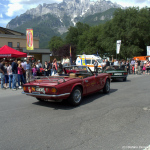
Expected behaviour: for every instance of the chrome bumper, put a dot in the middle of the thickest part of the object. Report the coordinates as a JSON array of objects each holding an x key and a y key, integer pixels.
[
  {"x": 45, "y": 95},
  {"x": 119, "y": 76}
]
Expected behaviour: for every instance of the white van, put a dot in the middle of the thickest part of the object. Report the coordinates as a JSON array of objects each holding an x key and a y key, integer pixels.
[{"x": 90, "y": 59}]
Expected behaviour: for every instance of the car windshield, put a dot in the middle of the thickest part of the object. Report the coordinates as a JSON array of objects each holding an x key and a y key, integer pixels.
[
  {"x": 78, "y": 70},
  {"x": 109, "y": 68}
]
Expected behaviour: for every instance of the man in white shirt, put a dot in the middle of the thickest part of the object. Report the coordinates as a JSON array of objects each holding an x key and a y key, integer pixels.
[
  {"x": 116, "y": 62},
  {"x": 39, "y": 64}
]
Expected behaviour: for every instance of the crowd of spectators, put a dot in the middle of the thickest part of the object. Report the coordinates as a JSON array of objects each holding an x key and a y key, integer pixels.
[
  {"x": 132, "y": 66},
  {"x": 15, "y": 74}
]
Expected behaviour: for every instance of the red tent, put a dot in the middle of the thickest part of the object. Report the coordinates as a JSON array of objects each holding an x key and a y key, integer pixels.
[{"x": 7, "y": 51}]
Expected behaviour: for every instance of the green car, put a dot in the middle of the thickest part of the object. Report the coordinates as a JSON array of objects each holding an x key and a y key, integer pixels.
[{"x": 117, "y": 72}]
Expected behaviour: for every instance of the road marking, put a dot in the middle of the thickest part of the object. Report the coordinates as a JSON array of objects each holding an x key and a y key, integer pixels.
[
  {"x": 147, "y": 148},
  {"x": 146, "y": 108}
]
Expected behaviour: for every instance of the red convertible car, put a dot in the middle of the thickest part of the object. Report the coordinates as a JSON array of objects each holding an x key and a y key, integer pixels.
[{"x": 72, "y": 85}]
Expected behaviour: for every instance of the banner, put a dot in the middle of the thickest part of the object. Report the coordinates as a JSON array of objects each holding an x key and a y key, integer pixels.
[
  {"x": 148, "y": 50},
  {"x": 118, "y": 46},
  {"x": 29, "y": 36}
]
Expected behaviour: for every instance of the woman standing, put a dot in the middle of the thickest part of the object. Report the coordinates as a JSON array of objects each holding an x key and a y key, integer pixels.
[
  {"x": 46, "y": 68},
  {"x": 54, "y": 68},
  {"x": 20, "y": 75}
]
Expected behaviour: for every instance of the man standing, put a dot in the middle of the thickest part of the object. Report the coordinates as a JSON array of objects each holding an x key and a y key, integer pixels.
[
  {"x": 139, "y": 66},
  {"x": 103, "y": 64},
  {"x": 23, "y": 64},
  {"x": 15, "y": 74},
  {"x": 2, "y": 74},
  {"x": 95, "y": 66},
  {"x": 116, "y": 62},
  {"x": 28, "y": 71},
  {"x": 107, "y": 64}
]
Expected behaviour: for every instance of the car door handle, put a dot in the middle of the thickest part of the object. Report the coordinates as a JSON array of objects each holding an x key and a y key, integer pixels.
[{"x": 86, "y": 81}]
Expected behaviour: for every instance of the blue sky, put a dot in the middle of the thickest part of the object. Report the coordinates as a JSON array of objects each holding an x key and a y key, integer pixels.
[{"x": 9, "y": 9}]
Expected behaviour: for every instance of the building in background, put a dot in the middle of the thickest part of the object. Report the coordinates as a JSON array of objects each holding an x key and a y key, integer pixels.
[{"x": 17, "y": 40}]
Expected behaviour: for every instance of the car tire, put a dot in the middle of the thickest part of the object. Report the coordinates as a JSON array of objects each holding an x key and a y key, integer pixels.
[
  {"x": 76, "y": 96},
  {"x": 125, "y": 79},
  {"x": 106, "y": 88}
]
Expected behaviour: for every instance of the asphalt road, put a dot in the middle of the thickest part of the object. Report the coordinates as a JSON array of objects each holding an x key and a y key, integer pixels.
[{"x": 116, "y": 121}]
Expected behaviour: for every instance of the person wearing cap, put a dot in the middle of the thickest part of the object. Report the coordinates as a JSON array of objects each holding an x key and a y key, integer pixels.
[{"x": 39, "y": 64}]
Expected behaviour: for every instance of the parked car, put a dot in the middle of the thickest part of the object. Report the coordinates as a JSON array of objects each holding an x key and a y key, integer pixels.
[
  {"x": 79, "y": 82},
  {"x": 117, "y": 72}
]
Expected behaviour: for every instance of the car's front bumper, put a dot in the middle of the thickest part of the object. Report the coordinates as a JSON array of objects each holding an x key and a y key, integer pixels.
[{"x": 46, "y": 96}]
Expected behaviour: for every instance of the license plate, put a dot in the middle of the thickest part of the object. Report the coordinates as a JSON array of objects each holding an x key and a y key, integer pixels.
[
  {"x": 40, "y": 89},
  {"x": 35, "y": 92},
  {"x": 117, "y": 74}
]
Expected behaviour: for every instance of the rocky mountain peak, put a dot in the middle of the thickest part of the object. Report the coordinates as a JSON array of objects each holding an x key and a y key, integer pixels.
[{"x": 73, "y": 9}]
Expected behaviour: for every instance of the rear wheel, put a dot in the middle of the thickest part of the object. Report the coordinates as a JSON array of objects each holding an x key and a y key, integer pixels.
[
  {"x": 75, "y": 97},
  {"x": 106, "y": 88}
]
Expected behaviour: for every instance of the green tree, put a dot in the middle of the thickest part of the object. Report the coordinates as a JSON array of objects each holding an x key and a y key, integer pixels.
[
  {"x": 88, "y": 41},
  {"x": 55, "y": 44},
  {"x": 131, "y": 27},
  {"x": 73, "y": 34}
]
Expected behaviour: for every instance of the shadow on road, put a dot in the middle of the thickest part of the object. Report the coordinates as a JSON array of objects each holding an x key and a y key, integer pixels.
[
  {"x": 120, "y": 80},
  {"x": 65, "y": 105}
]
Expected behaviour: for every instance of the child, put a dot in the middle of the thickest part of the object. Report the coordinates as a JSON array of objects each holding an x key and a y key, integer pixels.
[
  {"x": 34, "y": 70},
  {"x": 144, "y": 68},
  {"x": 133, "y": 69}
]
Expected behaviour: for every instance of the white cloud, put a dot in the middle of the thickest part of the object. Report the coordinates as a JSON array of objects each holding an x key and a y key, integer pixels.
[
  {"x": 136, "y": 3},
  {"x": 12, "y": 8},
  {"x": 17, "y": 7},
  {"x": 1, "y": 16}
]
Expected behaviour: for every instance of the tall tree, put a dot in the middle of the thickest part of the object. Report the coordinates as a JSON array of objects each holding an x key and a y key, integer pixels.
[
  {"x": 74, "y": 33},
  {"x": 55, "y": 43}
]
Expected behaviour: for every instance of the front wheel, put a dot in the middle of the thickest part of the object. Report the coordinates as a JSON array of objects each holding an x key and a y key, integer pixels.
[
  {"x": 75, "y": 97},
  {"x": 106, "y": 88}
]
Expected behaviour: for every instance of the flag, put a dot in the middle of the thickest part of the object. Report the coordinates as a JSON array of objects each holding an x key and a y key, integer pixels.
[
  {"x": 118, "y": 46},
  {"x": 148, "y": 50},
  {"x": 29, "y": 38}
]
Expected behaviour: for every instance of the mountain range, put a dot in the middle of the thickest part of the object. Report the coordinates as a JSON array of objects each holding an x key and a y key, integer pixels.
[{"x": 48, "y": 20}]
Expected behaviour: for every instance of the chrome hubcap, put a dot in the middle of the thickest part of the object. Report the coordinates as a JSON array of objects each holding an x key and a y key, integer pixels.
[{"x": 77, "y": 96}]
